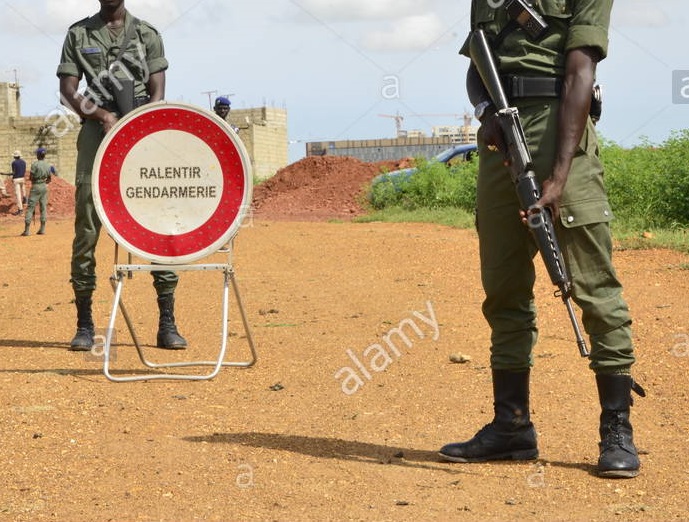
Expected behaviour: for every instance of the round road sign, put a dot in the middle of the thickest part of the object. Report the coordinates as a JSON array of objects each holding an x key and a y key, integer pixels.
[{"x": 172, "y": 182}]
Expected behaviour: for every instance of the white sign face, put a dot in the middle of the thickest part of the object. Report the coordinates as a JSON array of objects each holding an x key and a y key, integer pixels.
[{"x": 173, "y": 195}]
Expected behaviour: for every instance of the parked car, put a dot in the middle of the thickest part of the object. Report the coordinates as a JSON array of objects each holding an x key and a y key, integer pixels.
[{"x": 448, "y": 157}]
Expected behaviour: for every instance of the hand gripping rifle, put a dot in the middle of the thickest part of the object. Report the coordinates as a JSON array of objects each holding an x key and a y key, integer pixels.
[{"x": 522, "y": 170}]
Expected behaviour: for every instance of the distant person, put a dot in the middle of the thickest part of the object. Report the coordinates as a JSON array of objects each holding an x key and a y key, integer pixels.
[
  {"x": 18, "y": 179},
  {"x": 222, "y": 108},
  {"x": 90, "y": 46},
  {"x": 41, "y": 172}
]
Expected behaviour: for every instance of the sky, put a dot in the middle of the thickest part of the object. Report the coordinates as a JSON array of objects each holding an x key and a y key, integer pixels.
[{"x": 344, "y": 69}]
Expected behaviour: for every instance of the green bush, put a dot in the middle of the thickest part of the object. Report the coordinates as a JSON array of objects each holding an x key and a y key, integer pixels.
[
  {"x": 433, "y": 186},
  {"x": 648, "y": 185}
]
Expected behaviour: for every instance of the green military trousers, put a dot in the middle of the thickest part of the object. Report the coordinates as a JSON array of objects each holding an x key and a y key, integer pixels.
[
  {"x": 87, "y": 225},
  {"x": 507, "y": 250},
  {"x": 37, "y": 196}
]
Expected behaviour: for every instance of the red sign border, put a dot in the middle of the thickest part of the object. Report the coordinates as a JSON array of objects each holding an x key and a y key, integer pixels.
[{"x": 118, "y": 220}]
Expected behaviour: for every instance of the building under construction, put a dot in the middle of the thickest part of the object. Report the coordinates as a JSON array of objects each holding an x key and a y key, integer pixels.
[{"x": 411, "y": 143}]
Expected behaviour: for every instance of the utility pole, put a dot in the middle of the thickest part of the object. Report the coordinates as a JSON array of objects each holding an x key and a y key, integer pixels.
[{"x": 210, "y": 101}]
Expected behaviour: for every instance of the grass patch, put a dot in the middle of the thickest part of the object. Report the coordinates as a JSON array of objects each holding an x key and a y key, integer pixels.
[
  {"x": 449, "y": 216},
  {"x": 628, "y": 238}
]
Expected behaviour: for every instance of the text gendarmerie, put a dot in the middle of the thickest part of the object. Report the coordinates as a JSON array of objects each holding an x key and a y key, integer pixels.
[
  {"x": 195, "y": 191},
  {"x": 171, "y": 191}
]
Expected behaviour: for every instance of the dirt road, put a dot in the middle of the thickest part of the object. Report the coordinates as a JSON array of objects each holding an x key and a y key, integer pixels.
[{"x": 307, "y": 433}]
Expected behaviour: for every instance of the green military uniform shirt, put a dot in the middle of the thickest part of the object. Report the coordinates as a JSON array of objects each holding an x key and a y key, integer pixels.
[
  {"x": 572, "y": 24},
  {"x": 90, "y": 49},
  {"x": 40, "y": 171}
]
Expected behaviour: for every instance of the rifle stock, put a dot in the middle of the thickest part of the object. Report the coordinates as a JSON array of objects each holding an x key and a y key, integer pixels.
[{"x": 523, "y": 176}]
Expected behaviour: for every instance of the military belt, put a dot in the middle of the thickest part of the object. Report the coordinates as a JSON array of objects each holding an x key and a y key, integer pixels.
[{"x": 532, "y": 86}]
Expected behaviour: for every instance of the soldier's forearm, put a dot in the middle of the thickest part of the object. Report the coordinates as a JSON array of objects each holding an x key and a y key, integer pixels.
[{"x": 574, "y": 109}]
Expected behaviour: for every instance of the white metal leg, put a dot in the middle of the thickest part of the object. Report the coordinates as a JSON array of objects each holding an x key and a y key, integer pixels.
[{"x": 117, "y": 281}]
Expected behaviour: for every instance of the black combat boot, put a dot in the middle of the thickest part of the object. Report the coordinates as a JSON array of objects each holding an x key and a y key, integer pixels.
[
  {"x": 511, "y": 435},
  {"x": 83, "y": 339},
  {"x": 618, "y": 455},
  {"x": 27, "y": 229},
  {"x": 41, "y": 230},
  {"x": 168, "y": 336}
]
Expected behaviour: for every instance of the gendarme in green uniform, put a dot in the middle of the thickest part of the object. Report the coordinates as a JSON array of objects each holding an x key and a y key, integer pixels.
[
  {"x": 89, "y": 50},
  {"x": 41, "y": 171},
  {"x": 533, "y": 73},
  {"x": 108, "y": 50},
  {"x": 583, "y": 232}
]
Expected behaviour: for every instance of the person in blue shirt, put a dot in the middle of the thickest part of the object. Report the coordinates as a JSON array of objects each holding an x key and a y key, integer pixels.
[{"x": 18, "y": 179}]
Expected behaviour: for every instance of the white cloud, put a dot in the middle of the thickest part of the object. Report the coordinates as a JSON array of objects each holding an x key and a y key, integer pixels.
[
  {"x": 413, "y": 33},
  {"x": 161, "y": 13},
  {"x": 58, "y": 15},
  {"x": 348, "y": 10},
  {"x": 639, "y": 13}
]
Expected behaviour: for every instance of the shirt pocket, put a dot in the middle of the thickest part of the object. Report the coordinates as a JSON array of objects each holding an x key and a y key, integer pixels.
[{"x": 93, "y": 58}]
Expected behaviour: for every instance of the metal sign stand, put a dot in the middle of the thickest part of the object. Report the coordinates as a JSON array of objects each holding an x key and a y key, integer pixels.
[{"x": 122, "y": 271}]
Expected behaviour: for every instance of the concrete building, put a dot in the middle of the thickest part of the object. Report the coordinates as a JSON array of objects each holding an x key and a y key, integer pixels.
[
  {"x": 407, "y": 144},
  {"x": 262, "y": 130},
  {"x": 28, "y": 133},
  {"x": 380, "y": 150}
]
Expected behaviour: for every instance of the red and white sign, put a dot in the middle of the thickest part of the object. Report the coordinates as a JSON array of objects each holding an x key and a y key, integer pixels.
[{"x": 172, "y": 183}]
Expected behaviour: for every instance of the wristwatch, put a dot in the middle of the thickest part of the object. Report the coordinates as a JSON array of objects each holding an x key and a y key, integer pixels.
[{"x": 480, "y": 109}]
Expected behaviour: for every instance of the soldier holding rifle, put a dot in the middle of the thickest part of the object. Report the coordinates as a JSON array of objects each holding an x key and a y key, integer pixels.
[
  {"x": 123, "y": 61},
  {"x": 531, "y": 85}
]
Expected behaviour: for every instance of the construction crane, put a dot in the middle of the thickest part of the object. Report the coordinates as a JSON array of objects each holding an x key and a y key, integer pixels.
[
  {"x": 398, "y": 121},
  {"x": 466, "y": 116},
  {"x": 457, "y": 116}
]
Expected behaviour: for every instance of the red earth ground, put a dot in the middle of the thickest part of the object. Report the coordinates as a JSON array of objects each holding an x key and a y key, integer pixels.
[{"x": 291, "y": 439}]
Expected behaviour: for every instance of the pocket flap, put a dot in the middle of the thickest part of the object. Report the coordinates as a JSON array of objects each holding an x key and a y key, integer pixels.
[{"x": 585, "y": 213}]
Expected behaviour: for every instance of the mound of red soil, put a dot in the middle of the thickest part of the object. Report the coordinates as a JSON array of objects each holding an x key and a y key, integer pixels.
[
  {"x": 316, "y": 188},
  {"x": 60, "y": 199},
  {"x": 319, "y": 188}
]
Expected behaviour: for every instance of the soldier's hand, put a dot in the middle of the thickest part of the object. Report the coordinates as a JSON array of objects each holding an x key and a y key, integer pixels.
[
  {"x": 551, "y": 194},
  {"x": 493, "y": 138},
  {"x": 109, "y": 122}
]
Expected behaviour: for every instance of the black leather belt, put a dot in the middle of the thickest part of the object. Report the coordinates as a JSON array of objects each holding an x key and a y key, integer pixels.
[{"x": 532, "y": 86}]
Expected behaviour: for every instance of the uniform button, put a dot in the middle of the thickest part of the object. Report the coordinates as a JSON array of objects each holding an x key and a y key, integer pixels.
[
  {"x": 606, "y": 213},
  {"x": 570, "y": 219}
]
